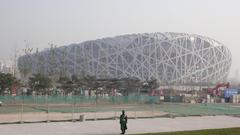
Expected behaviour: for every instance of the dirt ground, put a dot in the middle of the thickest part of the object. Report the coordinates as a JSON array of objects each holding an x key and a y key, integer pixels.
[{"x": 55, "y": 116}]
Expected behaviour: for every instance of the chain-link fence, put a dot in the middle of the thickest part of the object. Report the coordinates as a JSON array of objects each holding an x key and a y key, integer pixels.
[{"x": 72, "y": 108}]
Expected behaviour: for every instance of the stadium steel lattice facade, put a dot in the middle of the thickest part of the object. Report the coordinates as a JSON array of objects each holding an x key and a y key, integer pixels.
[{"x": 172, "y": 58}]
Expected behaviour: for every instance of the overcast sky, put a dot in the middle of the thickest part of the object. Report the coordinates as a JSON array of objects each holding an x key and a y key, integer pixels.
[{"x": 63, "y": 22}]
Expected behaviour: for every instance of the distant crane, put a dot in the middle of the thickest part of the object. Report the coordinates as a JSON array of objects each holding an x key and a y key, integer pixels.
[{"x": 215, "y": 91}]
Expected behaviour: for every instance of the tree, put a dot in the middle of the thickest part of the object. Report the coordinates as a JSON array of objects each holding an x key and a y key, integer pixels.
[
  {"x": 130, "y": 85},
  {"x": 40, "y": 83},
  {"x": 153, "y": 83},
  {"x": 6, "y": 82},
  {"x": 90, "y": 81},
  {"x": 71, "y": 85},
  {"x": 111, "y": 84}
]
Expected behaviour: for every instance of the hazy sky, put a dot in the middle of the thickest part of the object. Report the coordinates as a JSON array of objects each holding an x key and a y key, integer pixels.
[{"x": 63, "y": 22}]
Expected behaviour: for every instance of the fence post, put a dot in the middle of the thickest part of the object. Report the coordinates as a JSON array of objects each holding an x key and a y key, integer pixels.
[
  {"x": 135, "y": 114},
  {"x": 47, "y": 110},
  {"x": 152, "y": 110},
  {"x": 95, "y": 112},
  {"x": 115, "y": 115},
  {"x": 72, "y": 112},
  {"x": 73, "y": 108},
  {"x": 21, "y": 115}
]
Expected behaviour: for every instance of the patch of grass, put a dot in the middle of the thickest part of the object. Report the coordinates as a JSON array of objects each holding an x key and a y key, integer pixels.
[{"x": 224, "y": 131}]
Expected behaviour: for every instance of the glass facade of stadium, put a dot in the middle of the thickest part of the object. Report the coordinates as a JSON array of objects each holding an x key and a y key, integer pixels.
[{"x": 172, "y": 58}]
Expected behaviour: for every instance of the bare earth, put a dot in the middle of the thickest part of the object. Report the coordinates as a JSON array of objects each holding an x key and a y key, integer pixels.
[
  {"x": 54, "y": 116},
  {"x": 111, "y": 127}
]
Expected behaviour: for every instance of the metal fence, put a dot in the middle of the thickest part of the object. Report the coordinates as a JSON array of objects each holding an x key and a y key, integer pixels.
[{"x": 70, "y": 108}]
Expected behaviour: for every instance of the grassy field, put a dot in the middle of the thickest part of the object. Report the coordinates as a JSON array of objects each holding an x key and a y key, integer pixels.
[{"x": 227, "y": 131}]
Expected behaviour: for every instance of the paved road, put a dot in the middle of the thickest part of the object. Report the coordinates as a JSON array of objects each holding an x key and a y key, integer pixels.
[{"x": 111, "y": 127}]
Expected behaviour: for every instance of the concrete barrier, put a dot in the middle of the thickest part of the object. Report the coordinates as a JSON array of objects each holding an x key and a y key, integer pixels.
[{"x": 81, "y": 118}]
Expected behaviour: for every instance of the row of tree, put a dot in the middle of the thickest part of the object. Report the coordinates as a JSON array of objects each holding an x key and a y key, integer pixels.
[
  {"x": 7, "y": 82},
  {"x": 75, "y": 84}
]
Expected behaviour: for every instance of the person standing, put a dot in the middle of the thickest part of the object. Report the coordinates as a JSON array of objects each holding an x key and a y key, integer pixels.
[{"x": 123, "y": 122}]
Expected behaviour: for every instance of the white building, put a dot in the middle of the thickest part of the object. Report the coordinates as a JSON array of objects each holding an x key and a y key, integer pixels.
[
  {"x": 5, "y": 68},
  {"x": 172, "y": 58}
]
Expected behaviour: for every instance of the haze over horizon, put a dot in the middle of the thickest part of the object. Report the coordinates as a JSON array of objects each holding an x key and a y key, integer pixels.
[{"x": 62, "y": 22}]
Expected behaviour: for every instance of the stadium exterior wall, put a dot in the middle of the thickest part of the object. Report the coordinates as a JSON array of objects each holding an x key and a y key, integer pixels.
[{"x": 172, "y": 58}]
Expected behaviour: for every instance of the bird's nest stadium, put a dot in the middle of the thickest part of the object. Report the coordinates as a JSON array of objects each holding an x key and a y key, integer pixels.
[{"x": 172, "y": 58}]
